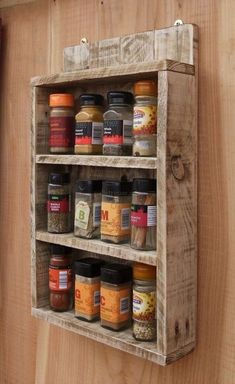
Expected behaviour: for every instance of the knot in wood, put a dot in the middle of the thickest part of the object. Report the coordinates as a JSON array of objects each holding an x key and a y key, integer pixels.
[{"x": 177, "y": 167}]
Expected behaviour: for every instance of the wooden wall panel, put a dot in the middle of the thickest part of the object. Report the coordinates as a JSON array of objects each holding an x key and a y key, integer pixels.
[{"x": 35, "y": 34}]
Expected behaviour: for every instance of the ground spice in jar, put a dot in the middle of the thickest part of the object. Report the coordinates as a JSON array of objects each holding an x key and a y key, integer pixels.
[
  {"x": 89, "y": 125},
  {"x": 61, "y": 123},
  {"x": 59, "y": 203},
  {"x": 143, "y": 214},
  {"x": 118, "y": 124},
  {"x": 87, "y": 288},
  {"x": 145, "y": 118},
  {"x": 87, "y": 208},
  {"x": 144, "y": 302},
  {"x": 60, "y": 278},
  {"x": 115, "y": 211},
  {"x": 115, "y": 309}
]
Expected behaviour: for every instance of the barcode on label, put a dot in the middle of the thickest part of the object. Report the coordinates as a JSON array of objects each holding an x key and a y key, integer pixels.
[
  {"x": 125, "y": 216},
  {"x": 96, "y": 298},
  {"x": 97, "y": 133},
  {"x": 127, "y": 131},
  {"x": 124, "y": 305},
  {"x": 152, "y": 216},
  {"x": 63, "y": 280},
  {"x": 96, "y": 214}
]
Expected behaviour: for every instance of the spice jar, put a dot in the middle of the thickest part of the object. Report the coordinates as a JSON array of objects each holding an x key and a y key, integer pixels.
[
  {"x": 60, "y": 278},
  {"x": 118, "y": 124},
  {"x": 87, "y": 288},
  {"x": 87, "y": 208},
  {"x": 59, "y": 203},
  {"x": 144, "y": 302},
  {"x": 115, "y": 211},
  {"x": 61, "y": 123},
  {"x": 115, "y": 308},
  {"x": 89, "y": 125},
  {"x": 143, "y": 214},
  {"x": 145, "y": 118}
]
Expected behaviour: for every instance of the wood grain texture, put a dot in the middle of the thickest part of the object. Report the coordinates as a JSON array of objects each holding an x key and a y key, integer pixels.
[{"x": 44, "y": 354}]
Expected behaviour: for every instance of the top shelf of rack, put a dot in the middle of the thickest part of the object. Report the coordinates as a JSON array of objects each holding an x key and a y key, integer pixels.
[{"x": 130, "y": 71}]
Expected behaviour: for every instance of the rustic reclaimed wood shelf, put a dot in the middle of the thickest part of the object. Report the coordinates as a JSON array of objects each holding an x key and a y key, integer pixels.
[{"x": 174, "y": 167}]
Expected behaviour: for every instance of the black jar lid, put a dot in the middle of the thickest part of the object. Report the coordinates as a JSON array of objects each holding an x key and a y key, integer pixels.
[
  {"x": 91, "y": 99},
  {"x": 89, "y": 186},
  {"x": 116, "y": 273},
  {"x": 116, "y": 188},
  {"x": 59, "y": 178},
  {"x": 88, "y": 267},
  {"x": 59, "y": 250},
  {"x": 115, "y": 97},
  {"x": 144, "y": 185}
]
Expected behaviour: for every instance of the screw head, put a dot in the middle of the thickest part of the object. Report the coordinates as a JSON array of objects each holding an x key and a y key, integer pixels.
[
  {"x": 84, "y": 40},
  {"x": 178, "y": 22}
]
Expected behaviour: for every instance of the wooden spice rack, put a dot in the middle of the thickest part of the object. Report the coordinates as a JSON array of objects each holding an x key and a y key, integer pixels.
[{"x": 175, "y": 171}]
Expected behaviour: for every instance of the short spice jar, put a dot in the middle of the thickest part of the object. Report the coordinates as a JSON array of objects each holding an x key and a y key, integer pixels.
[
  {"x": 60, "y": 278},
  {"x": 115, "y": 302},
  {"x": 87, "y": 208},
  {"x": 144, "y": 302},
  {"x": 61, "y": 123},
  {"x": 115, "y": 211},
  {"x": 59, "y": 203},
  {"x": 118, "y": 124},
  {"x": 87, "y": 288},
  {"x": 143, "y": 214},
  {"x": 145, "y": 118},
  {"x": 89, "y": 125}
]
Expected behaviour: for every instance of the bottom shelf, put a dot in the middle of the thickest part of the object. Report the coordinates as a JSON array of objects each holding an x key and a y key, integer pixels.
[{"x": 119, "y": 340}]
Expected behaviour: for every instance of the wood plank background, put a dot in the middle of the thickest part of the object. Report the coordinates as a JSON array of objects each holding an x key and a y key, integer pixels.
[{"x": 34, "y": 37}]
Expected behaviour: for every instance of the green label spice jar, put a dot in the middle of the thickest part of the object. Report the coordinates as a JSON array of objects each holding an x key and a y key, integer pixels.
[
  {"x": 59, "y": 203},
  {"x": 87, "y": 288},
  {"x": 118, "y": 124},
  {"x": 143, "y": 214},
  {"x": 144, "y": 302},
  {"x": 115, "y": 311},
  {"x": 60, "y": 278},
  {"x": 87, "y": 208}
]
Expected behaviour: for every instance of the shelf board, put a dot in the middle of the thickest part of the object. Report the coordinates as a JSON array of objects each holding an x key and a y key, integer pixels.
[
  {"x": 122, "y": 251},
  {"x": 123, "y": 340},
  {"x": 109, "y": 73},
  {"x": 99, "y": 161}
]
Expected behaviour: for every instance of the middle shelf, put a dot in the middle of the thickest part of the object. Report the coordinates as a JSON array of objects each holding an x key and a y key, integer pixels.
[{"x": 121, "y": 251}]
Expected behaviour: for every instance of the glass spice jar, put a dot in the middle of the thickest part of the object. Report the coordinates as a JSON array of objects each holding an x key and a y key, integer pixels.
[
  {"x": 87, "y": 288},
  {"x": 143, "y": 214},
  {"x": 60, "y": 279},
  {"x": 115, "y": 292},
  {"x": 144, "y": 302},
  {"x": 115, "y": 211},
  {"x": 61, "y": 123},
  {"x": 59, "y": 203},
  {"x": 89, "y": 125},
  {"x": 118, "y": 124},
  {"x": 145, "y": 118},
  {"x": 87, "y": 208}
]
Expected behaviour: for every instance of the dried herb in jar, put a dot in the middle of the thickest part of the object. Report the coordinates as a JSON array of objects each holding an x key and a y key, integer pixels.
[{"x": 59, "y": 203}]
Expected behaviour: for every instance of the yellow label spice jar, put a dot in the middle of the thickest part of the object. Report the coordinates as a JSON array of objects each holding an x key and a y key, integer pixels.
[{"x": 115, "y": 296}]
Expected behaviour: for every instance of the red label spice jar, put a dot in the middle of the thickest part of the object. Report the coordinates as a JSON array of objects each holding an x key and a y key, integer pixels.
[
  {"x": 60, "y": 278},
  {"x": 61, "y": 123}
]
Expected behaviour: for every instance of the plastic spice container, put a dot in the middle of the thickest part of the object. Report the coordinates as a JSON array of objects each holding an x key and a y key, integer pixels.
[
  {"x": 87, "y": 288},
  {"x": 145, "y": 118},
  {"x": 115, "y": 211},
  {"x": 61, "y": 123},
  {"x": 115, "y": 303},
  {"x": 59, "y": 203},
  {"x": 143, "y": 214},
  {"x": 87, "y": 208},
  {"x": 144, "y": 302},
  {"x": 89, "y": 125},
  {"x": 118, "y": 124},
  {"x": 60, "y": 279}
]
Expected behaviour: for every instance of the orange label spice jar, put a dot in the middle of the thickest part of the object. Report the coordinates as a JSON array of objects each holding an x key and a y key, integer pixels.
[{"x": 115, "y": 296}]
